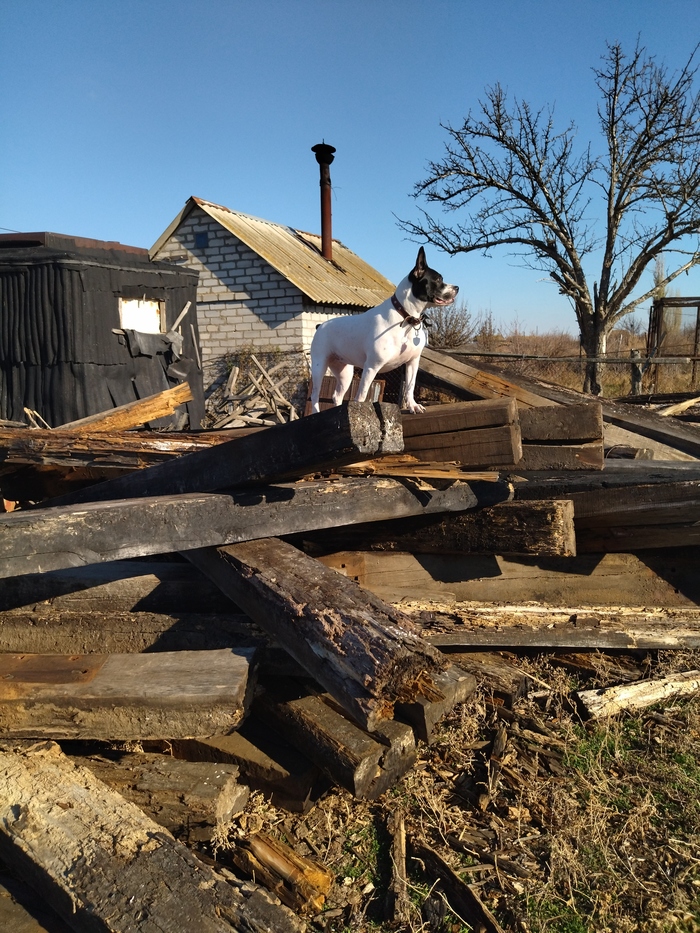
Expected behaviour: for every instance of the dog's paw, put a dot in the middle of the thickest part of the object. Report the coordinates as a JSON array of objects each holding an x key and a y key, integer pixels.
[{"x": 415, "y": 408}]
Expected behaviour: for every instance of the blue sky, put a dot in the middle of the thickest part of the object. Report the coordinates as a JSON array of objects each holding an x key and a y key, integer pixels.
[{"x": 114, "y": 112}]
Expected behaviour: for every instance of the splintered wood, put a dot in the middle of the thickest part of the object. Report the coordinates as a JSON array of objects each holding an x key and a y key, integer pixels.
[{"x": 260, "y": 402}]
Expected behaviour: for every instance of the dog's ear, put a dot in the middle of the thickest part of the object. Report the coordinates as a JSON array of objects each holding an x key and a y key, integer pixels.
[{"x": 421, "y": 264}]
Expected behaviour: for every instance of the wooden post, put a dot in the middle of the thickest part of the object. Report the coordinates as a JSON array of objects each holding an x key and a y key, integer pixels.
[
  {"x": 365, "y": 653},
  {"x": 635, "y": 373}
]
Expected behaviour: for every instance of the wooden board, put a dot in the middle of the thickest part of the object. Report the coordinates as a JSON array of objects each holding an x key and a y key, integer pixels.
[
  {"x": 135, "y": 413},
  {"x": 365, "y": 653},
  {"x": 346, "y": 434},
  {"x": 267, "y": 761},
  {"x": 162, "y": 695},
  {"x": 442, "y": 369},
  {"x": 542, "y": 527},
  {"x": 569, "y": 423},
  {"x": 654, "y": 578},
  {"x": 71, "y": 536},
  {"x": 561, "y": 628},
  {"x": 103, "y": 865},
  {"x": 560, "y": 457},
  {"x": 474, "y": 449},
  {"x": 189, "y": 798},
  {"x": 460, "y": 416}
]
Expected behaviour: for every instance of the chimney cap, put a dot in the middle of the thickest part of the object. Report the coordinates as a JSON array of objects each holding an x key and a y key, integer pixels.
[{"x": 324, "y": 153}]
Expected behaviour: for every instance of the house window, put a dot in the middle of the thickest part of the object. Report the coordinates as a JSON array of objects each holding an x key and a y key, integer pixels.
[
  {"x": 201, "y": 240},
  {"x": 140, "y": 314}
]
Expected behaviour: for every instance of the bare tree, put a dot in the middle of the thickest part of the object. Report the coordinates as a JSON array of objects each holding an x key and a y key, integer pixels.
[{"x": 523, "y": 185}]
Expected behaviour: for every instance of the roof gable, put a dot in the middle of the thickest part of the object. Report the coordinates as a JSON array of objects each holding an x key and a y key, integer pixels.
[{"x": 345, "y": 280}]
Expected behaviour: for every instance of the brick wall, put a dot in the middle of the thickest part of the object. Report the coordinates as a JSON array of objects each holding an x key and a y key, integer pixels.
[{"x": 242, "y": 302}]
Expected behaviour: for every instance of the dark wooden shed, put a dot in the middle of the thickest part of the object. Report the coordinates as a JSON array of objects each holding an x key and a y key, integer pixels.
[{"x": 87, "y": 325}]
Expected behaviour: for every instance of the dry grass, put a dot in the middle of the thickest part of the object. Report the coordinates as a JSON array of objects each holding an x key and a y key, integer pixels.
[{"x": 596, "y": 829}]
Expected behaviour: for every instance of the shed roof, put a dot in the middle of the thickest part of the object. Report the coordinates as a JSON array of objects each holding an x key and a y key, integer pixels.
[{"x": 345, "y": 280}]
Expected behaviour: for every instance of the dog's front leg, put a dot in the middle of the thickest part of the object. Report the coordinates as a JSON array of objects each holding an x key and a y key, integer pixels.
[
  {"x": 368, "y": 374},
  {"x": 410, "y": 385}
]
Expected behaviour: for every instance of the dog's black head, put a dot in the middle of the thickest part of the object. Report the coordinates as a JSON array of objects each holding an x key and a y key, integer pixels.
[{"x": 427, "y": 284}]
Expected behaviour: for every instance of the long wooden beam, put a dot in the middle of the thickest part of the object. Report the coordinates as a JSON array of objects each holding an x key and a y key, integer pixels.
[
  {"x": 538, "y": 527},
  {"x": 365, "y": 653},
  {"x": 70, "y": 536},
  {"x": 104, "y": 866},
  {"x": 442, "y": 369},
  {"x": 344, "y": 434},
  {"x": 134, "y": 413}
]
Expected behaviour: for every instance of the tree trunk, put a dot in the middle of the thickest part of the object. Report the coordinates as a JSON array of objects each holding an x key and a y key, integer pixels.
[{"x": 594, "y": 340}]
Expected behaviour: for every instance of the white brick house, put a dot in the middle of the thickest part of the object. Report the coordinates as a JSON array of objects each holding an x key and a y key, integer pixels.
[{"x": 261, "y": 284}]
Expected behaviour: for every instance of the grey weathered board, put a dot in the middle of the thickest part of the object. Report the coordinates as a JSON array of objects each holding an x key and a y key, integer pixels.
[
  {"x": 123, "y": 696},
  {"x": 40, "y": 540},
  {"x": 345, "y": 434},
  {"x": 444, "y": 370},
  {"x": 104, "y": 866}
]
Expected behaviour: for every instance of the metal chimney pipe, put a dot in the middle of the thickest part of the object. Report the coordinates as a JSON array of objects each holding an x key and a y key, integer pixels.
[{"x": 324, "y": 157}]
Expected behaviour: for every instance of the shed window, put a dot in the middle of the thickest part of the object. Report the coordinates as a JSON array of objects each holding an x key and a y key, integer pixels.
[
  {"x": 201, "y": 240},
  {"x": 139, "y": 314}
]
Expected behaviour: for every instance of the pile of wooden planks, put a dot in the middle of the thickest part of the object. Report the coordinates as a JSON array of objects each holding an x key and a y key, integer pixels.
[{"x": 304, "y": 631}]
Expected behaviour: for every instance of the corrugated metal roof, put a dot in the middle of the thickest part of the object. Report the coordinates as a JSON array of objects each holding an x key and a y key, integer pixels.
[{"x": 345, "y": 280}]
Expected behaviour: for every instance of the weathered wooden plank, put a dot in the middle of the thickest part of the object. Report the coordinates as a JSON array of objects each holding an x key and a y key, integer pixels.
[
  {"x": 49, "y": 630},
  {"x": 639, "y": 505},
  {"x": 348, "y": 754},
  {"x": 625, "y": 538},
  {"x": 266, "y": 759},
  {"x": 40, "y": 540},
  {"x": 654, "y": 578},
  {"x": 145, "y": 696},
  {"x": 189, "y": 798},
  {"x": 365, "y": 653},
  {"x": 444, "y": 370},
  {"x": 474, "y": 449},
  {"x": 344, "y": 434},
  {"x": 538, "y": 527},
  {"x": 460, "y": 416},
  {"x": 571, "y": 628},
  {"x": 119, "y": 586},
  {"x": 463, "y": 899},
  {"x": 589, "y": 456},
  {"x": 135, "y": 413},
  {"x": 603, "y": 702},
  {"x": 685, "y": 437},
  {"x": 574, "y": 424},
  {"x": 70, "y": 449},
  {"x": 105, "y": 866},
  {"x": 497, "y": 674}
]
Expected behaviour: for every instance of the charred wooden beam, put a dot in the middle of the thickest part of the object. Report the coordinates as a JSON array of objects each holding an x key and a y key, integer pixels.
[
  {"x": 344, "y": 434},
  {"x": 69, "y": 536},
  {"x": 365, "y": 653},
  {"x": 539, "y": 527}
]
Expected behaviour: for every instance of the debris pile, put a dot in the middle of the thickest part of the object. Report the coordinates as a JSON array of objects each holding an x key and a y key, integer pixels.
[{"x": 246, "y": 661}]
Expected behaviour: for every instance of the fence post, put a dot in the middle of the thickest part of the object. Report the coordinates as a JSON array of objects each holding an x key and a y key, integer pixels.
[{"x": 636, "y": 373}]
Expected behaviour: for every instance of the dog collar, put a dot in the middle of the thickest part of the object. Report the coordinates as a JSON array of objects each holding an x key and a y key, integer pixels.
[{"x": 413, "y": 321}]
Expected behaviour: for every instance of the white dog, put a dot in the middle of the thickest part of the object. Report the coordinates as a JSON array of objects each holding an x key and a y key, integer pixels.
[{"x": 380, "y": 339}]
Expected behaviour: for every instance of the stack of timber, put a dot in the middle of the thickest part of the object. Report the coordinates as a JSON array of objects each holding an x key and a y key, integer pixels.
[{"x": 336, "y": 586}]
